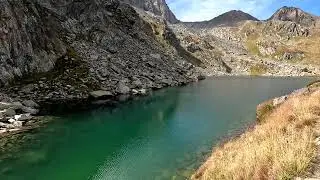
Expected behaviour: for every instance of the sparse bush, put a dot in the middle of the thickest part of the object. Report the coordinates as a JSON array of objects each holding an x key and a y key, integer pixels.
[{"x": 258, "y": 69}]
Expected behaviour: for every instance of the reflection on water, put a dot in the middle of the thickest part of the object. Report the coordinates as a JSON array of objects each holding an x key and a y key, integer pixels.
[{"x": 163, "y": 136}]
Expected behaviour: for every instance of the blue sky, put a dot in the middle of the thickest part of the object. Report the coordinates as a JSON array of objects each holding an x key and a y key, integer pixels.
[{"x": 199, "y": 10}]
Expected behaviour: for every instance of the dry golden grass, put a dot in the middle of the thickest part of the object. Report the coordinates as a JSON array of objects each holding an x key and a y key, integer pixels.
[{"x": 282, "y": 147}]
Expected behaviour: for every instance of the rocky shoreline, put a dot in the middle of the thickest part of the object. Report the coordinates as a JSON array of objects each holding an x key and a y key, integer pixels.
[{"x": 17, "y": 116}]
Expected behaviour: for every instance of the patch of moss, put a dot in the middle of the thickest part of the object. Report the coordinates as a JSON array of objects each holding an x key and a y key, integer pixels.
[{"x": 258, "y": 69}]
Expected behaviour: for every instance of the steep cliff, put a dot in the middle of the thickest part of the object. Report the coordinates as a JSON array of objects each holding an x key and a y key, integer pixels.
[
  {"x": 157, "y": 7},
  {"x": 63, "y": 50}
]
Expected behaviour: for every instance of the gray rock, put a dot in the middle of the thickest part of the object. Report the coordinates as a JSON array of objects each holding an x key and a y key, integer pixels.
[
  {"x": 30, "y": 103},
  {"x": 3, "y": 125},
  {"x": 17, "y": 124},
  {"x": 2, "y": 130},
  {"x": 279, "y": 100},
  {"x": 122, "y": 88},
  {"x": 143, "y": 91},
  {"x": 2, "y": 117},
  {"x": 23, "y": 117},
  {"x": 9, "y": 112},
  {"x": 10, "y": 126},
  {"x": 17, "y": 105},
  {"x": 11, "y": 121},
  {"x": 137, "y": 83},
  {"x": 155, "y": 56},
  {"x": 135, "y": 92},
  {"x": 101, "y": 94},
  {"x": 30, "y": 110},
  {"x": 4, "y": 105}
]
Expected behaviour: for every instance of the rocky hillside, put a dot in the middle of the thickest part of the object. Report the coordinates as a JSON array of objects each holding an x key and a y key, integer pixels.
[
  {"x": 66, "y": 51},
  {"x": 230, "y": 18},
  {"x": 294, "y": 15},
  {"x": 280, "y": 46},
  {"x": 156, "y": 7}
]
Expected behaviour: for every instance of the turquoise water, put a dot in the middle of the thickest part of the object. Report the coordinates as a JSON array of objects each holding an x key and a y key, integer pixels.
[{"x": 163, "y": 136}]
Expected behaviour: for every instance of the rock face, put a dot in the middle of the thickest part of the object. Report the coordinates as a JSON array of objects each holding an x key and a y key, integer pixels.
[
  {"x": 294, "y": 15},
  {"x": 227, "y": 19},
  {"x": 63, "y": 50},
  {"x": 157, "y": 7}
]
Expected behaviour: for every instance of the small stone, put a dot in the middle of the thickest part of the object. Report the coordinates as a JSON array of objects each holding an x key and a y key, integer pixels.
[
  {"x": 14, "y": 129},
  {"x": 134, "y": 91},
  {"x": 11, "y": 121},
  {"x": 155, "y": 56},
  {"x": 143, "y": 91}
]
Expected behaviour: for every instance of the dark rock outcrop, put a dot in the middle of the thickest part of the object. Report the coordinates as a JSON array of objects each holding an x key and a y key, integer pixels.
[
  {"x": 157, "y": 7},
  {"x": 227, "y": 19}
]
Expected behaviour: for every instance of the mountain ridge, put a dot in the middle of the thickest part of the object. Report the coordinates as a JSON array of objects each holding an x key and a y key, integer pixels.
[
  {"x": 294, "y": 14},
  {"x": 157, "y": 7}
]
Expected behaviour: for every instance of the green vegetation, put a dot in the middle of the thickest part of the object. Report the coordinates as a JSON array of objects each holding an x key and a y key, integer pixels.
[
  {"x": 264, "y": 110},
  {"x": 258, "y": 69},
  {"x": 252, "y": 47}
]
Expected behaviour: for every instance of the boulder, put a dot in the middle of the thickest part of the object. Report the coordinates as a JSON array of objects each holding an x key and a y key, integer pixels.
[
  {"x": 143, "y": 91},
  {"x": 23, "y": 117},
  {"x": 201, "y": 77},
  {"x": 30, "y": 110},
  {"x": 17, "y": 124},
  {"x": 3, "y": 125},
  {"x": 16, "y": 105},
  {"x": 122, "y": 88},
  {"x": 4, "y": 105},
  {"x": 101, "y": 94},
  {"x": 8, "y": 112},
  {"x": 30, "y": 103}
]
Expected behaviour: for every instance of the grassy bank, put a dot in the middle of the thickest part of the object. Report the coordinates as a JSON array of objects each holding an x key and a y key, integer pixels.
[{"x": 282, "y": 146}]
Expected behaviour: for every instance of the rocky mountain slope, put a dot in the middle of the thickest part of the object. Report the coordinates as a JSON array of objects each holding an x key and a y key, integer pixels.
[
  {"x": 230, "y": 18},
  {"x": 156, "y": 7},
  {"x": 294, "y": 15},
  {"x": 68, "y": 51},
  {"x": 280, "y": 46}
]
